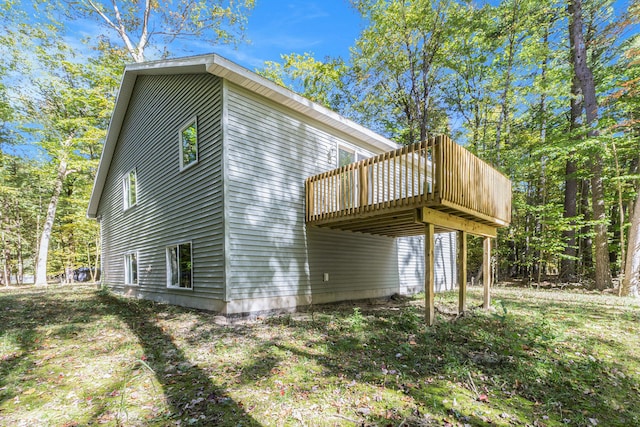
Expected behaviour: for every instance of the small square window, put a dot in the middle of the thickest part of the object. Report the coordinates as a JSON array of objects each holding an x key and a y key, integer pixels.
[
  {"x": 131, "y": 268},
  {"x": 179, "y": 266},
  {"x": 189, "y": 144},
  {"x": 130, "y": 189}
]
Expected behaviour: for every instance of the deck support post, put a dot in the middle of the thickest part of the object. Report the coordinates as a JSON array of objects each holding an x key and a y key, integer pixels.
[
  {"x": 429, "y": 278},
  {"x": 462, "y": 271},
  {"x": 486, "y": 271}
]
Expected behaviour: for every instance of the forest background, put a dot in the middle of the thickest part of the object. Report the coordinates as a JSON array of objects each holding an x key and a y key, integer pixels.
[{"x": 548, "y": 92}]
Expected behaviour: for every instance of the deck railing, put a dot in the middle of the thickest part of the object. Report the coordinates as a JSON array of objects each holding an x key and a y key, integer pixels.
[{"x": 433, "y": 172}]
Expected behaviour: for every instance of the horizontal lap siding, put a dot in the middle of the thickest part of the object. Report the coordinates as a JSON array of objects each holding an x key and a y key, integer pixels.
[
  {"x": 270, "y": 153},
  {"x": 173, "y": 206},
  {"x": 355, "y": 262},
  {"x": 445, "y": 261},
  {"x": 411, "y": 263}
]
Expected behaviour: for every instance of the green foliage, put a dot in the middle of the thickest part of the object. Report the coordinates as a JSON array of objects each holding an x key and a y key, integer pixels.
[
  {"x": 396, "y": 64},
  {"x": 356, "y": 320},
  {"x": 319, "y": 81},
  {"x": 502, "y": 315}
]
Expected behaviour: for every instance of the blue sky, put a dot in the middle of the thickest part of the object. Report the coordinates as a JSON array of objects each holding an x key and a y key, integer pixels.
[
  {"x": 324, "y": 28},
  {"x": 274, "y": 27}
]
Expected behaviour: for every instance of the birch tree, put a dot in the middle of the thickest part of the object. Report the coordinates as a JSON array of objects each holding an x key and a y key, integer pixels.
[
  {"x": 630, "y": 95},
  {"x": 140, "y": 25},
  {"x": 68, "y": 106}
]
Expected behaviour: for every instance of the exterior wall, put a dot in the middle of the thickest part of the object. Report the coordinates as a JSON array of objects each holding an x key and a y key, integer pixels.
[
  {"x": 173, "y": 206},
  {"x": 411, "y": 263},
  {"x": 445, "y": 261},
  {"x": 274, "y": 261},
  {"x": 241, "y": 206}
]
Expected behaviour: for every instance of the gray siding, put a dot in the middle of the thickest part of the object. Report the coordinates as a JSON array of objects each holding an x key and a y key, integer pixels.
[
  {"x": 271, "y": 151},
  {"x": 242, "y": 206},
  {"x": 173, "y": 206},
  {"x": 411, "y": 263},
  {"x": 445, "y": 261}
]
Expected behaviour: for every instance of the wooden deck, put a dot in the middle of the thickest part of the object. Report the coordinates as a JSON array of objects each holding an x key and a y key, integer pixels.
[
  {"x": 424, "y": 188},
  {"x": 396, "y": 193}
]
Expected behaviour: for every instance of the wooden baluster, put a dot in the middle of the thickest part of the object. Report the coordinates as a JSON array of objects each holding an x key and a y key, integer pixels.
[{"x": 364, "y": 186}]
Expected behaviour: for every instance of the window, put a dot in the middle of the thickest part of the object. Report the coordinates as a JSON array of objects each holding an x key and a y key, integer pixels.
[
  {"x": 189, "y": 144},
  {"x": 130, "y": 189},
  {"x": 131, "y": 268},
  {"x": 179, "y": 266},
  {"x": 348, "y": 183},
  {"x": 345, "y": 156}
]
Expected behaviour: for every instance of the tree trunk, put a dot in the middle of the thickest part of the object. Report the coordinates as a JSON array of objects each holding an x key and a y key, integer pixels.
[
  {"x": 631, "y": 279},
  {"x": 503, "y": 119},
  {"x": 568, "y": 265},
  {"x": 585, "y": 76},
  {"x": 6, "y": 272},
  {"x": 20, "y": 273},
  {"x": 543, "y": 140},
  {"x": 43, "y": 250},
  {"x": 568, "y": 268},
  {"x": 620, "y": 211},
  {"x": 585, "y": 257}
]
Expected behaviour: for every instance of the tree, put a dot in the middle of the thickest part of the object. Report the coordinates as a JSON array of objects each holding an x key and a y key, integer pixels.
[
  {"x": 585, "y": 77},
  {"x": 466, "y": 89},
  {"x": 319, "y": 81},
  {"x": 66, "y": 109},
  {"x": 396, "y": 64},
  {"x": 138, "y": 23},
  {"x": 630, "y": 95},
  {"x": 69, "y": 107}
]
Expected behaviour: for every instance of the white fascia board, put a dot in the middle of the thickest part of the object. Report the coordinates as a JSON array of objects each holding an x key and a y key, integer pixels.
[{"x": 113, "y": 131}]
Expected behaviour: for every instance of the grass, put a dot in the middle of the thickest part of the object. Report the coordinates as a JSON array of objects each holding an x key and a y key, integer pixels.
[{"x": 72, "y": 356}]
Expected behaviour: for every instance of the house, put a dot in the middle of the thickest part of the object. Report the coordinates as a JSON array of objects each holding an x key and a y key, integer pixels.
[{"x": 205, "y": 196}]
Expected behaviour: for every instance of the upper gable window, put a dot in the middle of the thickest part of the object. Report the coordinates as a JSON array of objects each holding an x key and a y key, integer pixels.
[
  {"x": 189, "y": 144},
  {"x": 130, "y": 189}
]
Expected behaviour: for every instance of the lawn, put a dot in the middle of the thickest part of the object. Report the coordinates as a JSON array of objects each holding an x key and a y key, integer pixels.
[{"x": 78, "y": 356}]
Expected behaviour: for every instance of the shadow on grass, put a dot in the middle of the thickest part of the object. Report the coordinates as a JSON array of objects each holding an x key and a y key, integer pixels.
[
  {"x": 187, "y": 388},
  {"x": 34, "y": 320},
  {"x": 521, "y": 369},
  {"x": 533, "y": 361},
  {"x": 22, "y": 313}
]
